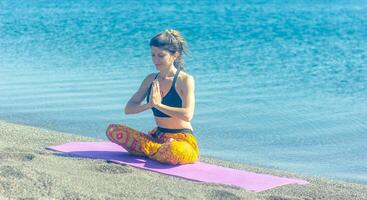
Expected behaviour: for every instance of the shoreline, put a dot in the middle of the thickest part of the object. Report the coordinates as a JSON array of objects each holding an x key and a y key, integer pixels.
[{"x": 28, "y": 170}]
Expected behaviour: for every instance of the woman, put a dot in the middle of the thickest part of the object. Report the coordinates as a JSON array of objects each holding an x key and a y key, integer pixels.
[{"x": 170, "y": 95}]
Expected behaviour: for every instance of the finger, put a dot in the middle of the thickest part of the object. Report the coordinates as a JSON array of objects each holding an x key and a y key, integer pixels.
[
  {"x": 152, "y": 91},
  {"x": 155, "y": 85},
  {"x": 157, "y": 88}
]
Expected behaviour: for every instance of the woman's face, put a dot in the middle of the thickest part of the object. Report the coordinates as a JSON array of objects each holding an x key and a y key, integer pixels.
[{"x": 161, "y": 58}]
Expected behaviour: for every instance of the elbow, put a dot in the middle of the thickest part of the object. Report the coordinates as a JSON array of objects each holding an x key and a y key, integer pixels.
[
  {"x": 187, "y": 117},
  {"x": 127, "y": 111}
]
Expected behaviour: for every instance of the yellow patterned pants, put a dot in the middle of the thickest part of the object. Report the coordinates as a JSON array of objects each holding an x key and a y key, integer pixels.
[{"x": 173, "y": 148}]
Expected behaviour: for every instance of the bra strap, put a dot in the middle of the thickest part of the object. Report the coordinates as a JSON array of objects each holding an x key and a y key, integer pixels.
[{"x": 156, "y": 76}]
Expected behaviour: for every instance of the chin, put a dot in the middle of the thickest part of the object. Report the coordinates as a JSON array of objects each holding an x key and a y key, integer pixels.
[{"x": 159, "y": 67}]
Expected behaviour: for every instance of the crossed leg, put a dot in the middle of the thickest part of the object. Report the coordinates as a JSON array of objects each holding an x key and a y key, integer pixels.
[{"x": 169, "y": 150}]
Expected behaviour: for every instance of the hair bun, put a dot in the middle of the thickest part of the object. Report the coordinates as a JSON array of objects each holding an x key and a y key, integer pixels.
[
  {"x": 181, "y": 41},
  {"x": 172, "y": 31}
]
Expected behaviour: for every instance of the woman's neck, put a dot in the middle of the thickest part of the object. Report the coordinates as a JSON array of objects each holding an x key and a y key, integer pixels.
[{"x": 169, "y": 72}]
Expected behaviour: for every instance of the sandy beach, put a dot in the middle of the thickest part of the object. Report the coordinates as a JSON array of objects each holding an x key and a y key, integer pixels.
[{"x": 29, "y": 171}]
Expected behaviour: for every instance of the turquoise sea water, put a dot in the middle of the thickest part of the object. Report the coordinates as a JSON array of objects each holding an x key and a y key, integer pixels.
[{"x": 280, "y": 84}]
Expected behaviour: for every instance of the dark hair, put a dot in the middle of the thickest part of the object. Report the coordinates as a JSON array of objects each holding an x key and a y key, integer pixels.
[{"x": 171, "y": 41}]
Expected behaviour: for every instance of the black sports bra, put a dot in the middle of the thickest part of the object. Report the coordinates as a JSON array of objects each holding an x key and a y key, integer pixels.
[{"x": 170, "y": 99}]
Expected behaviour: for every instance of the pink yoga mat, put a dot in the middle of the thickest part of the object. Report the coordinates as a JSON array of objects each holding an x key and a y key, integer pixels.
[{"x": 198, "y": 171}]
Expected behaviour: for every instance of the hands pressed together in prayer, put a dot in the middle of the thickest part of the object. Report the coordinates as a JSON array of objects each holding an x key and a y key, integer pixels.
[{"x": 155, "y": 94}]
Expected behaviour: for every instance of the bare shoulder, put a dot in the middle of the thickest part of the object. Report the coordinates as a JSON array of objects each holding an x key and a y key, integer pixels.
[
  {"x": 149, "y": 78},
  {"x": 185, "y": 79},
  {"x": 184, "y": 76},
  {"x": 146, "y": 83}
]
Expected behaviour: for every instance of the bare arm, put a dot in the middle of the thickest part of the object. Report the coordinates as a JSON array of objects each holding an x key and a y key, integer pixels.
[
  {"x": 188, "y": 100},
  {"x": 134, "y": 104}
]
